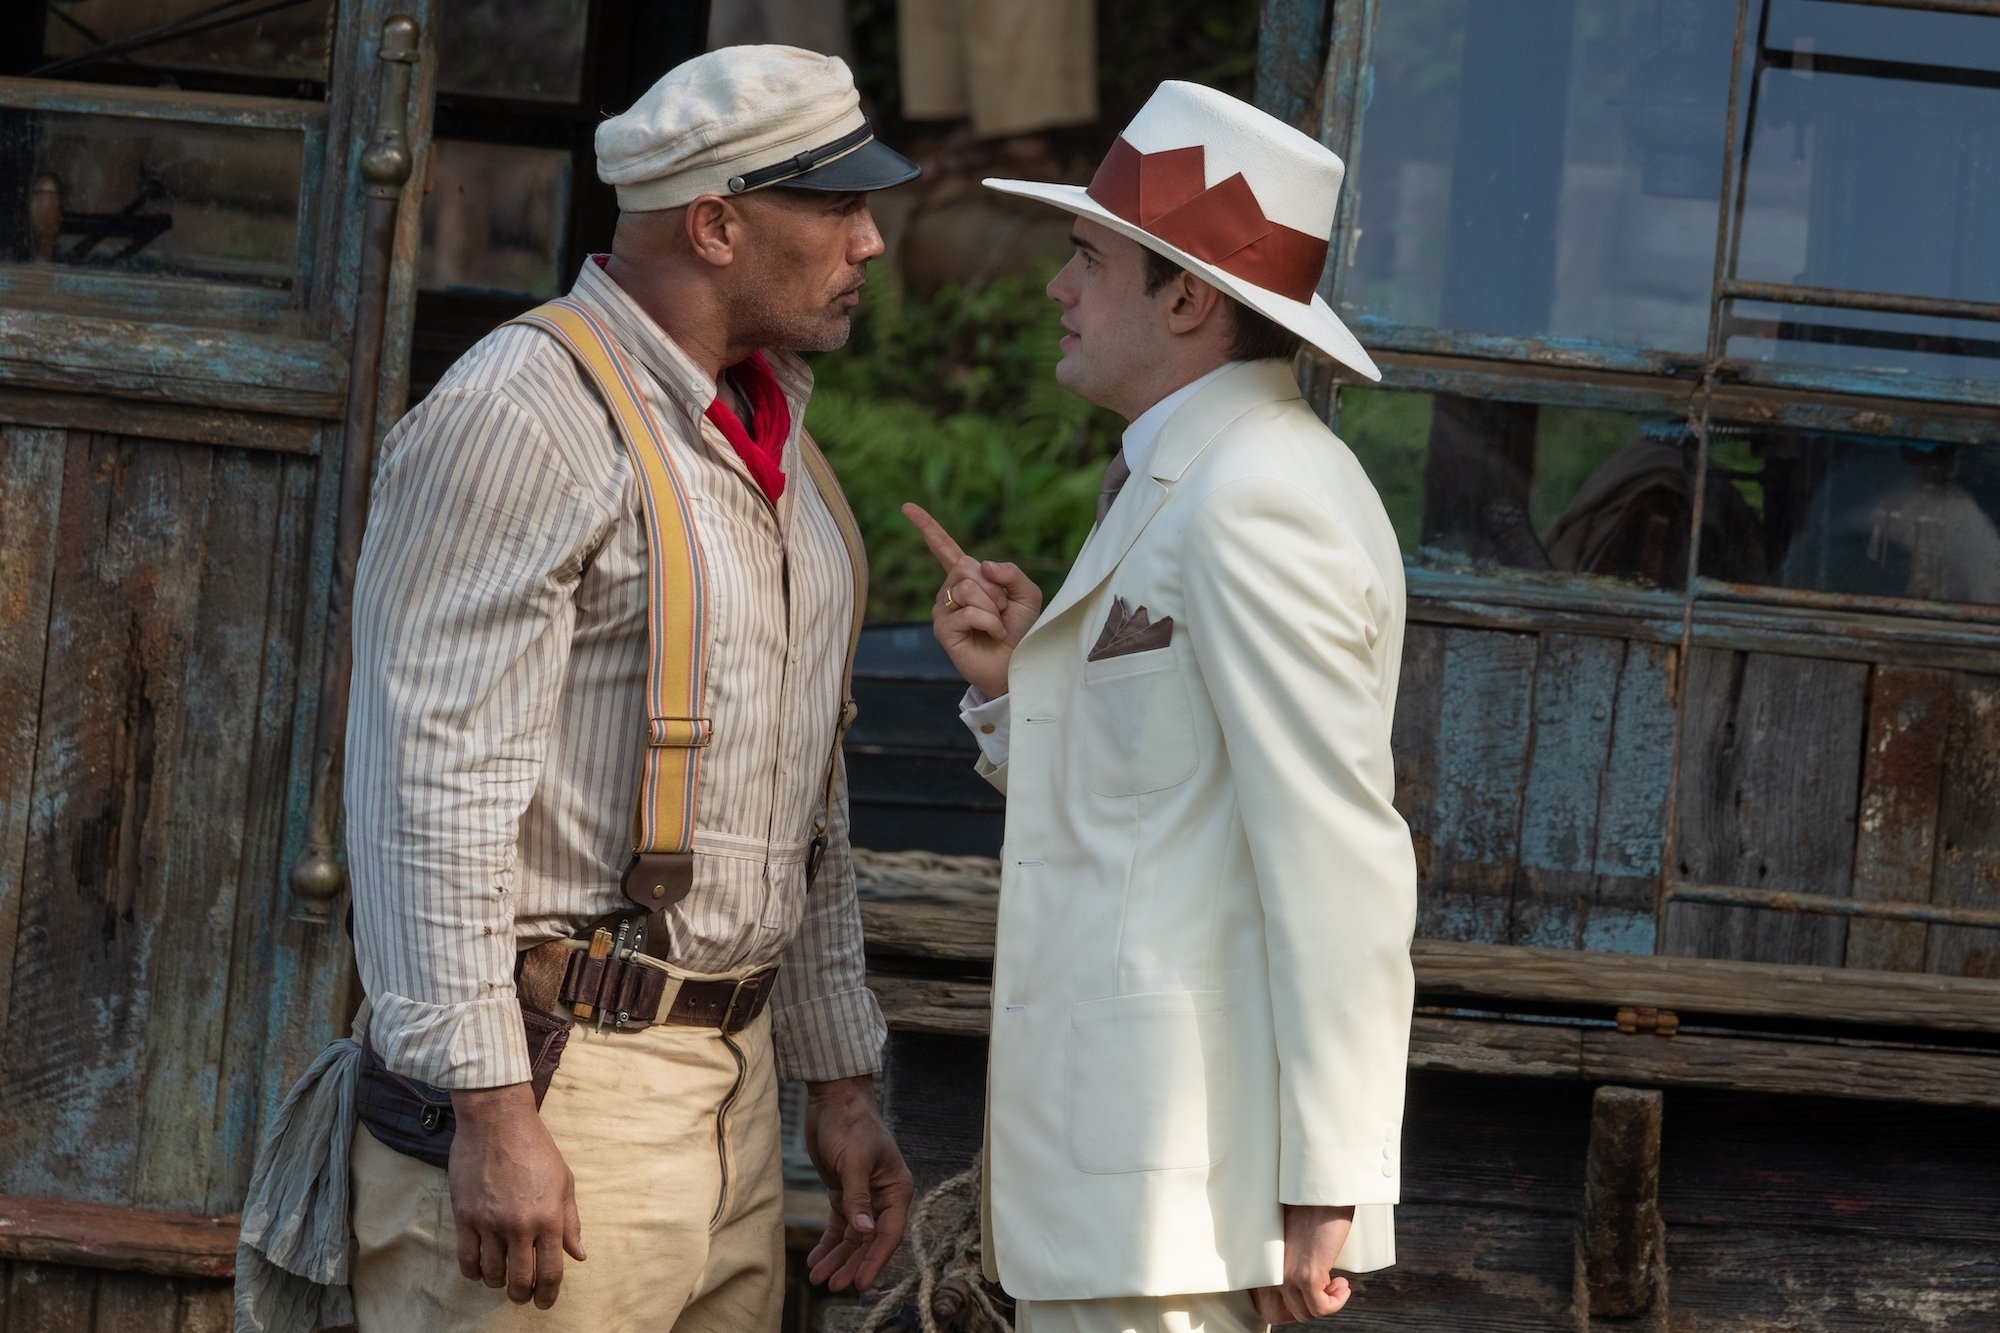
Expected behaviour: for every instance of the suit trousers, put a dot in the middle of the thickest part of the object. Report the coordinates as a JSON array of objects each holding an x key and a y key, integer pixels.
[
  {"x": 672, "y": 1134},
  {"x": 1215, "y": 1312}
]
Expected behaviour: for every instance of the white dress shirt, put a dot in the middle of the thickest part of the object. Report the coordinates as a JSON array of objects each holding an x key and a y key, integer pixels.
[{"x": 988, "y": 719}]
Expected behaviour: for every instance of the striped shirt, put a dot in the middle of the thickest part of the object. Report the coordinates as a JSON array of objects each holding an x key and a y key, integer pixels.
[{"x": 498, "y": 714}]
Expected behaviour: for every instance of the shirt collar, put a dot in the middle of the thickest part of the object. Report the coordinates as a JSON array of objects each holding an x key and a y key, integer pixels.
[{"x": 1145, "y": 429}]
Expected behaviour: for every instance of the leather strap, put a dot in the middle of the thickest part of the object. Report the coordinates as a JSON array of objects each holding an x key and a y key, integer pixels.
[
  {"x": 661, "y": 872},
  {"x": 662, "y": 869},
  {"x": 836, "y": 504}
]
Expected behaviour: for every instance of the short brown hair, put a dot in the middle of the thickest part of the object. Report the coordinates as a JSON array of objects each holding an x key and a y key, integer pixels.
[{"x": 1255, "y": 338}]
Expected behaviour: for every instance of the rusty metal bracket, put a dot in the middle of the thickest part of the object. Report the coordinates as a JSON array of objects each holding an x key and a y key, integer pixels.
[{"x": 1636, "y": 1018}]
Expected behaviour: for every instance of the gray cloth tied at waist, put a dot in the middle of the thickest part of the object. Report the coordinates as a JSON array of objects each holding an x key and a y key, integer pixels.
[{"x": 293, "y": 1252}]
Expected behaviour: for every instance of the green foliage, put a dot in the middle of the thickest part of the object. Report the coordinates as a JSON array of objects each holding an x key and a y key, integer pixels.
[
  {"x": 1390, "y": 433},
  {"x": 950, "y": 400}
]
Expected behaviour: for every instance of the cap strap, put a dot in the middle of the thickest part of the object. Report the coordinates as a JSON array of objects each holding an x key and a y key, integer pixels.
[
  {"x": 1165, "y": 194},
  {"x": 812, "y": 159}
]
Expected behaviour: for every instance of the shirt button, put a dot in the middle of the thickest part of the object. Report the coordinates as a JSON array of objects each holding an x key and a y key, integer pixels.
[{"x": 986, "y": 728}]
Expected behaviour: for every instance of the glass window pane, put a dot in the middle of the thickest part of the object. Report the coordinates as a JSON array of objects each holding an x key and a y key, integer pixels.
[
  {"x": 243, "y": 37},
  {"x": 1470, "y": 483},
  {"x": 494, "y": 219},
  {"x": 1544, "y": 168},
  {"x": 1851, "y": 514},
  {"x": 531, "y": 49},
  {"x": 135, "y": 196},
  {"x": 1873, "y": 166}
]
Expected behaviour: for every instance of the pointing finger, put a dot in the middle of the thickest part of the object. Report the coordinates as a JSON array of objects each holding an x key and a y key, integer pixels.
[{"x": 942, "y": 546}]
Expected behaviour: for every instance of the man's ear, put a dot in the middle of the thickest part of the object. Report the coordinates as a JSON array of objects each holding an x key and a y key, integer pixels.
[
  {"x": 1193, "y": 303},
  {"x": 714, "y": 230}
]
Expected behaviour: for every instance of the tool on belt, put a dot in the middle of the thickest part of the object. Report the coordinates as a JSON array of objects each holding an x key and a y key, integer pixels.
[{"x": 607, "y": 982}]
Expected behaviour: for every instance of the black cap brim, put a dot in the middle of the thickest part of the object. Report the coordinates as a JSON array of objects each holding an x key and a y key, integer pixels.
[{"x": 872, "y": 166}]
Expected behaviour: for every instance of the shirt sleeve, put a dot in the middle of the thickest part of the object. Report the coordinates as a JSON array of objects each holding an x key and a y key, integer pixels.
[
  {"x": 463, "y": 609},
  {"x": 825, "y": 1021},
  {"x": 991, "y": 723},
  {"x": 1290, "y": 612}
]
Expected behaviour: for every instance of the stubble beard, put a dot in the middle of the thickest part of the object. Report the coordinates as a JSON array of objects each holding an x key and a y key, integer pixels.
[{"x": 774, "y": 325}]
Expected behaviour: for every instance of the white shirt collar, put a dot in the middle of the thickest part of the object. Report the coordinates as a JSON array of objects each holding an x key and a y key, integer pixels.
[{"x": 1144, "y": 431}]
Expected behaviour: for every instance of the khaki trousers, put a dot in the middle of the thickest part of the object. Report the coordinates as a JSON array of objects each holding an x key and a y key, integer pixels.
[
  {"x": 1011, "y": 65},
  {"x": 1216, "y": 1312},
  {"x": 672, "y": 1133}
]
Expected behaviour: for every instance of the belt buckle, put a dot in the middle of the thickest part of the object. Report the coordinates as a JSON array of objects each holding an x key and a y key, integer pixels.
[{"x": 754, "y": 981}]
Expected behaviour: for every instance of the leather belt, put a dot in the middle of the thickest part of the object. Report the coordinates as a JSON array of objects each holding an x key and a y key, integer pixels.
[{"x": 607, "y": 984}]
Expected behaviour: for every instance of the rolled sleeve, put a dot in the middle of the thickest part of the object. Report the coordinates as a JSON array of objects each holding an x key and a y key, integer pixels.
[
  {"x": 825, "y": 1021},
  {"x": 463, "y": 611}
]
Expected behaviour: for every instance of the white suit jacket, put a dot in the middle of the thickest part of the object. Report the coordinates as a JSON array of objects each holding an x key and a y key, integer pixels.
[{"x": 1202, "y": 985}]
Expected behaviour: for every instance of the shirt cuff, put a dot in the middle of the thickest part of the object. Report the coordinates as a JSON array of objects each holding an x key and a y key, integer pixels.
[
  {"x": 479, "y": 1044},
  {"x": 834, "y": 1036},
  {"x": 990, "y": 721}
]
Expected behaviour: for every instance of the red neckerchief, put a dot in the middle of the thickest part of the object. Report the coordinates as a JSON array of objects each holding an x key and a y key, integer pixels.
[{"x": 770, "y": 418}]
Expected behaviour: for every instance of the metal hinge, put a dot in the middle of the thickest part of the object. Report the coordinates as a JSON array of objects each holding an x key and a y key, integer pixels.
[{"x": 1634, "y": 1019}]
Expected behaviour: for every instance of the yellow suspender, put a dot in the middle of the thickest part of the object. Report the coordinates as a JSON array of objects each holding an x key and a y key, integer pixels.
[{"x": 662, "y": 869}]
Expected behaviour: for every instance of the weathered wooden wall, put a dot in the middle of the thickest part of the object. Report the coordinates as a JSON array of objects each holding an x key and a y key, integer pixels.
[
  {"x": 1560, "y": 771},
  {"x": 56, "y": 1298},
  {"x": 155, "y": 595}
]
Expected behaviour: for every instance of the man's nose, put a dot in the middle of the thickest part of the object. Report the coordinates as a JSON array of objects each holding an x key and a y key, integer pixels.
[
  {"x": 1058, "y": 288},
  {"x": 867, "y": 239}
]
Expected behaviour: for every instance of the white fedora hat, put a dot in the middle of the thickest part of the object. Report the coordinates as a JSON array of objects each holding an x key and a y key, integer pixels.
[{"x": 1231, "y": 194}]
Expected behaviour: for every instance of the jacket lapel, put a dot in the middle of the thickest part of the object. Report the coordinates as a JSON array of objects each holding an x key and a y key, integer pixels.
[{"x": 1181, "y": 441}]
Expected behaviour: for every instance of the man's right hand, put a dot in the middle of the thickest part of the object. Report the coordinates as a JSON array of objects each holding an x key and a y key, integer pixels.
[
  {"x": 983, "y": 608},
  {"x": 512, "y": 1194}
]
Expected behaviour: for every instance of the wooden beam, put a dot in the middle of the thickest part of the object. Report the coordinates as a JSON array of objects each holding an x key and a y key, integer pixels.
[
  {"x": 1476, "y": 974},
  {"x": 1621, "y": 1241},
  {"x": 956, "y": 1007},
  {"x": 133, "y": 1240}
]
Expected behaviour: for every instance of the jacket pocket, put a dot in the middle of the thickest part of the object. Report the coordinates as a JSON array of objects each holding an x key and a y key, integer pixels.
[
  {"x": 1136, "y": 726},
  {"x": 1142, "y": 1093}
]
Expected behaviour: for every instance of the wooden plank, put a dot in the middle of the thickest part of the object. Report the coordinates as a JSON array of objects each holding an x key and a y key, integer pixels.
[
  {"x": 201, "y": 866},
  {"x": 1291, "y": 60},
  {"x": 1967, "y": 868},
  {"x": 104, "y": 804},
  {"x": 1621, "y": 1252},
  {"x": 1867, "y": 1073},
  {"x": 49, "y": 1298},
  {"x": 1792, "y": 1164},
  {"x": 1413, "y": 740},
  {"x": 206, "y": 1307},
  {"x": 176, "y": 105},
  {"x": 136, "y": 1303},
  {"x": 1575, "y": 700},
  {"x": 935, "y": 1101},
  {"x": 261, "y": 893},
  {"x": 1484, "y": 975},
  {"x": 1745, "y": 1278},
  {"x": 1496, "y": 601},
  {"x": 1632, "y": 804},
  {"x": 1902, "y": 778},
  {"x": 948, "y": 1007},
  {"x": 159, "y": 421},
  {"x": 1483, "y": 731},
  {"x": 1769, "y": 785},
  {"x": 169, "y": 363},
  {"x": 259, "y": 969},
  {"x": 129, "y": 1240},
  {"x": 1492, "y": 1270},
  {"x": 31, "y": 470}
]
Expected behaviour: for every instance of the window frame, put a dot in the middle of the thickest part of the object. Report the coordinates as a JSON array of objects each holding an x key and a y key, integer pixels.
[{"x": 1587, "y": 374}]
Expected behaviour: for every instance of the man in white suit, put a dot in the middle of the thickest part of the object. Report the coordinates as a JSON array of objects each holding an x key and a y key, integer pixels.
[{"x": 1201, "y": 985}]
